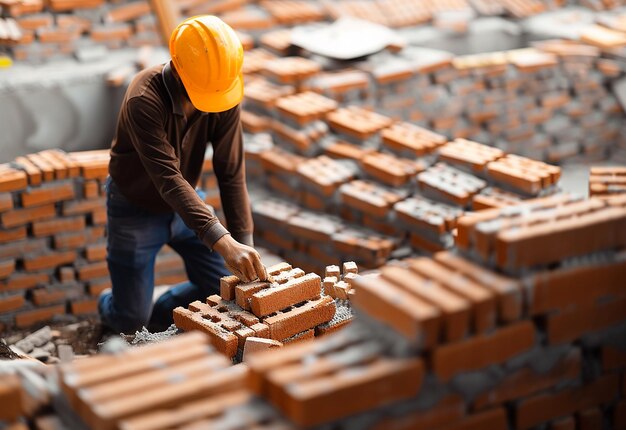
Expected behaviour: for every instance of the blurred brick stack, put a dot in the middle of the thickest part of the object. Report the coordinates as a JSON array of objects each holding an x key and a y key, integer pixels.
[
  {"x": 192, "y": 385},
  {"x": 452, "y": 342},
  {"x": 398, "y": 184},
  {"x": 607, "y": 181},
  {"x": 288, "y": 307},
  {"x": 52, "y": 236},
  {"x": 45, "y": 30},
  {"x": 521, "y": 328}
]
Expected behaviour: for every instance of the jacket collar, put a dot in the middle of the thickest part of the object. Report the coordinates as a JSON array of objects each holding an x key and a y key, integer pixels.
[{"x": 174, "y": 90}]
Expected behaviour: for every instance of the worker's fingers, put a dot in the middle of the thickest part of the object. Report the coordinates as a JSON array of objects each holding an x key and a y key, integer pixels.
[
  {"x": 259, "y": 268},
  {"x": 236, "y": 270}
]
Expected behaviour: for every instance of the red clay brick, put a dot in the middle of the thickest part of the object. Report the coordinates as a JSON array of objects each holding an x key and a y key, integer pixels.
[
  {"x": 49, "y": 260},
  {"x": 96, "y": 286},
  {"x": 525, "y": 382},
  {"x": 275, "y": 298},
  {"x": 244, "y": 292},
  {"x": 12, "y": 235},
  {"x": 508, "y": 291},
  {"x": 96, "y": 252},
  {"x": 11, "y": 303},
  {"x": 455, "y": 310},
  {"x": 76, "y": 240},
  {"x": 448, "y": 410},
  {"x": 7, "y": 267},
  {"x": 570, "y": 325},
  {"x": 28, "y": 318},
  {"x": 539, "y": 244},
  {"x": 223, "y": 341},
  {"x": 413, "y": 318},
  {"x": 58, "y": 225},
  {"x": 535, "y": 410},
  {"x": 16, "y": 217},
  {"x": 44, "y": 296},
  {"x": 483, "y": 350},
  {"x": 569, "y": 288},
  {"x": 48, "y": 194},
  {"x": 21, "y": 281},
  {"x": 81, "y": 307},
  {"x": 227, "y": 287},
  {"x": 11, "y": 398},
  {"x": 93, "y": 270},
  {"x": 309, "y": 401},
  {"x": 13, "y": 180},
  {"x": 91, "y": 189},
  {"x": 298, "y": 319},
  {"x": 482, "y": 300},
  {"x": 78, "y": 207},
  {"x": 6, "y": 202},
  {"x": 495, "y": 419}
]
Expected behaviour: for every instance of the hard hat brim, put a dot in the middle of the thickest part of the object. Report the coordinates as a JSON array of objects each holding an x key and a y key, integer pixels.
[{"x": 218, "y": 102}]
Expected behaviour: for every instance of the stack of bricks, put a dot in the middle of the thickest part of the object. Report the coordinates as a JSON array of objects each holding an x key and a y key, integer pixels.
[
  {"x": 453, "y": 342},
  {"x": 607, "y": 181},
  {"x": 192, "y": 385},
  {"x": 401, "y": 181},
  {"x": 288, "y": 307},
  {"x": 52, "y": 236},
  {"x": 313, "y": 240},
  {"x": 42, "y": 31}
]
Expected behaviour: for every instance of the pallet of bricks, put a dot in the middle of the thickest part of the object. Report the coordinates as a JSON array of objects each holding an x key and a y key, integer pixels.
[
  {"x": 522, "y": 328},
  {"x": 290, "y": 306},
  {"x": 52, "y": 236},
  {"x": 381, "y": 184}
]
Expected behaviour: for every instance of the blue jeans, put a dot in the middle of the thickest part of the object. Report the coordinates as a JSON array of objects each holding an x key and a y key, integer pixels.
[{"x": 134, "y": 237}]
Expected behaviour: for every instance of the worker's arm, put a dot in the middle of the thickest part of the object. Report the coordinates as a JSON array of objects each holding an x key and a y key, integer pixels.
[
  {"x": 229, "y": 167},
  {"x": 146, "y": 125}
]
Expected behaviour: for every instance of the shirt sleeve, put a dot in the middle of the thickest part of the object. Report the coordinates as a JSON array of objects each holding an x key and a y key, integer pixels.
[
  {"x": 147, "y": 131},
  {"x": 229, "y": 167}
]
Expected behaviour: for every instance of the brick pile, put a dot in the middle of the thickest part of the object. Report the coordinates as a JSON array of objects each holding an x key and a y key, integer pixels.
[
  {"x": 52, "y": 236},
  {"x": 402, "y": 185},
  {"x": 607, "y": 181},
  {"x": 193, "y": 384},
  {"x": 42, "y": 31},
  {"x": 490, "y": 336},
  {"x": 453, "y": 342},
  {"x": 290, "y": 306}
]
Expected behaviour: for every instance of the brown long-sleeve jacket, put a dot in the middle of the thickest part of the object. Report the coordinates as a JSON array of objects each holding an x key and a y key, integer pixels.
[{"x": 157, "y": 156}]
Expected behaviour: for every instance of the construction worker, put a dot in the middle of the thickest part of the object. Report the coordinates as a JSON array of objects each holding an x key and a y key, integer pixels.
[{"x": 169, "y": 114}]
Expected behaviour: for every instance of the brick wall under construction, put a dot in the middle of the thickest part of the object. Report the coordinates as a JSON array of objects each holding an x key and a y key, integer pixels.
[{"x": 52, "y": 236}]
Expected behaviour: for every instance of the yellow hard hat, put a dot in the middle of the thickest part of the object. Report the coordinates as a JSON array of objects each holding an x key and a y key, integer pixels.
[{"x": 208, "y": 57}]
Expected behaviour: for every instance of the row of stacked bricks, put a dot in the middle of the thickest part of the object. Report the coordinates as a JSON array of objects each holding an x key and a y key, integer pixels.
[
  {"x": 550, "y": 102},
  {"x": 52, "y": 236},
  {"x": 522, "y": 328},
  {"x": 193, "y": 386},
  {"x": 290, "y": 306},
  {"x": 402, "y": 185},
  {"x": 38, "y": 31},
  {"x": 607, "y": 180}
]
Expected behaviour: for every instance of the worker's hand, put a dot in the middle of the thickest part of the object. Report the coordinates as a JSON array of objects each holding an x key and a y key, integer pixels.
[{"x": 242, "y": 260}]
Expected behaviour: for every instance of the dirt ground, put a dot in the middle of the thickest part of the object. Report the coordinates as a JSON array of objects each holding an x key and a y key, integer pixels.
[{"x": 82, "y": 333}]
